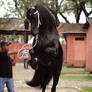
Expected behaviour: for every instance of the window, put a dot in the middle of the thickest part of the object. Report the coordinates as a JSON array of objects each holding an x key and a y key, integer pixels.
[{"x": 79, "y": 38}]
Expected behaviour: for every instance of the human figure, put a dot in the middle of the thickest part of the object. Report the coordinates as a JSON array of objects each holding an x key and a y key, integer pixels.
[
  {"x": 6, "y": 76},
  {"x": 25, "y": 56}
]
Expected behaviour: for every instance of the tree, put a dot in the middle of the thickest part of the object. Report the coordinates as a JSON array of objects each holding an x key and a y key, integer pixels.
[
  {"x": 56, "y": 7},
  {"x": 79, "y": 6},
  {"x": 68, "y": 6},
  {"x": 65, "y": 6}
]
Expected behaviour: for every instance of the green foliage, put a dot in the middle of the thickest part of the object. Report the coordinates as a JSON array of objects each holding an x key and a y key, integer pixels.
[
  {"x": 19, "y": 7},
  {"x": 79, "y": 6}
]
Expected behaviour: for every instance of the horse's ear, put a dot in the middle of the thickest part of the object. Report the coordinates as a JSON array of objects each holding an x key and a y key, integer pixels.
[{"x": 33, "y": 8}]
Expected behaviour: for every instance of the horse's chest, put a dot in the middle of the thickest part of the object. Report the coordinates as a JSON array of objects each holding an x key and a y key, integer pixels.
[{"x": 42, "y": 43}]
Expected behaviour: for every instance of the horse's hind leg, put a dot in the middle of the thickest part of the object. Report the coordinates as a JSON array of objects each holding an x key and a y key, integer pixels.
[
  {"x": 43, "y": 88},
  {"x": 55, "y": 82}
]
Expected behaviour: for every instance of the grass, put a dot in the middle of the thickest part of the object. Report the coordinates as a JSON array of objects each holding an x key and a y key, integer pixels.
[
  {"x": 76, "y": 74},
  {"x": 87, "y": 89},
  {"x": 73, "y": 70},
  {"x": 78, "y": 77},
  {"x": 69, "y": 70}
]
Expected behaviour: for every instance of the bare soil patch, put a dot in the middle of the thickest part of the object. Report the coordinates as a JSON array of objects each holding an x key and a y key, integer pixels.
[{"x": 21, "y": 75}]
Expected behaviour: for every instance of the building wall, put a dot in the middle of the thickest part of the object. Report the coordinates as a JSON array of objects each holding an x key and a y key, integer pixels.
[
  {"x": 76, "y": 50},
  {"x": 89, "y": 49},
  {"x": 70, "y": 50},
  {"x": 64, "y": 51}
]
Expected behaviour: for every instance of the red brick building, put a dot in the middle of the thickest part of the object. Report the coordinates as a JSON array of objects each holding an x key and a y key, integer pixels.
[
  {"x": 89, "y": 46},
  {"x": 79, "y": 43}
]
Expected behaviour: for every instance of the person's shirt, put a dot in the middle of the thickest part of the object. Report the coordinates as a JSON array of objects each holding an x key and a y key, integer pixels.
[
  {"x": 5, "y": 65},
  {"x": 25, "y": 54}
]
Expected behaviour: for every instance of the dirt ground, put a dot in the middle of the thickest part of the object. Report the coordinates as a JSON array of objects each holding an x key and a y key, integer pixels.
[{"x": 22, "y": 75}]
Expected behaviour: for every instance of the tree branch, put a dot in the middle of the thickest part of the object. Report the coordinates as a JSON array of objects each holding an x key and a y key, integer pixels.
[
  {"x": 90, "y": 13},
  {"x": 64, "y": 17},
  {"x": 17, "y": 9}
]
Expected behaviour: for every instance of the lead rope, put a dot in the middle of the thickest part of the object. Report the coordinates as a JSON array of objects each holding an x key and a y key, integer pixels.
[
  {"x": 23, "y": 47},
  {"x": 36, "y": 39}
]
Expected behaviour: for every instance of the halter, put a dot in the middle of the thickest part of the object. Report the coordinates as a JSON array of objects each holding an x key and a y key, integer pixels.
[{"x": 39, "y": 22}]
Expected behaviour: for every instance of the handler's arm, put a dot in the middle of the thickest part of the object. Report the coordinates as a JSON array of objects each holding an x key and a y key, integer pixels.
[{"x": 12, "y": 52}]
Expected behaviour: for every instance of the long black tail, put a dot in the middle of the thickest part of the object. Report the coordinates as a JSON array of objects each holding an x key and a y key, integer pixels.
[
  {"x": 38, "y": 80},
  {"x": 32, "y": 83}
]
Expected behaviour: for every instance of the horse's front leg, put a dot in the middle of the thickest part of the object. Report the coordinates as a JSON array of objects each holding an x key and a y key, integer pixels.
[
  {"x": 55, "y": 82},
  {"x": 31, "y": 51},
  {"x": 34, "y": 60}
]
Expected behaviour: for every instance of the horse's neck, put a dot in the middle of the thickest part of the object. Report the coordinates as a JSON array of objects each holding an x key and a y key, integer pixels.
[{"x": 46, "y": 29}]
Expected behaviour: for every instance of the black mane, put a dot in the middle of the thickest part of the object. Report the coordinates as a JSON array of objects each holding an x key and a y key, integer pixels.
[{"x": 46, "y": 17}]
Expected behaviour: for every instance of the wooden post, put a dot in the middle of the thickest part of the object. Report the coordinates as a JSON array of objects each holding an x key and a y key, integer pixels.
[{"x": 26, "y": 24}]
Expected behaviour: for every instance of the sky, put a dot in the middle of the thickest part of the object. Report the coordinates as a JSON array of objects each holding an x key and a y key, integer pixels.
[{"x": 70, "y": 17}]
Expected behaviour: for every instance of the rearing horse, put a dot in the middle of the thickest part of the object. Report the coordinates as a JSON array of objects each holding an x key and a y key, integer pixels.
[{"x": 47, "y": 54}]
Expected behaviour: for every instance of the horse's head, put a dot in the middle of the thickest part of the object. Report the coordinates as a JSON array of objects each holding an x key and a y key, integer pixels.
[
  {"x": 33, "y": 17},
  {"x": 41, "y": 19}
]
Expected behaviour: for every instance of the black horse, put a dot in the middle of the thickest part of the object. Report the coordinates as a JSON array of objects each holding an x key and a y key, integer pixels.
[{"x": 46, "y": 54}]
